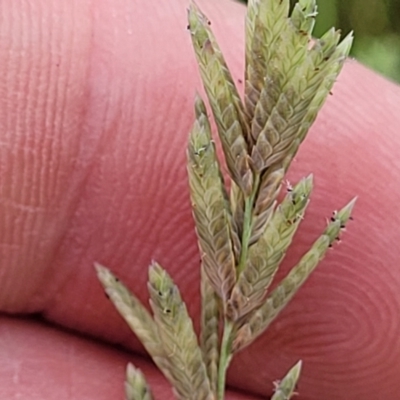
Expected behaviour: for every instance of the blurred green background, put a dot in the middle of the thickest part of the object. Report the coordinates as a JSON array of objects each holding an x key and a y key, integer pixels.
[{"x": 376, "y": 26}]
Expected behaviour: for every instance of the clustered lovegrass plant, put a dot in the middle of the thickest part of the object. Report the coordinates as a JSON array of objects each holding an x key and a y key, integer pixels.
[{"x": 243, "y": 232}]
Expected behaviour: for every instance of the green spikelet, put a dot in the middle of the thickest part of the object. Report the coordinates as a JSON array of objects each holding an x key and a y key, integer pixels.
[
  {"x": 261, "y": 318},
  {"x": 209, "y": 338},
  {"x": 210, "y": 207},
  {"x": 327, "y": 58},
  {"x": 270, "y": 185},
  {"x": 285, "y": 389},
  {"x": 303, "y": 16},
  {"x": 178, "y": 337},
  {"x": 136, "y": 316},
  {"x": 264, "y": 23},
  {"x": 295, "y": 79},
  {"x": 136, "y": 387},
  {"x": 266, "y": 255},
  {"x": 224, "y": 99}
]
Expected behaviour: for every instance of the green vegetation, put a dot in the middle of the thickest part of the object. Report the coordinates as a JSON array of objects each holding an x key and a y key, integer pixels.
[
  {"x": 243, "y": 230},
  {"x": 376, "y": 26}
]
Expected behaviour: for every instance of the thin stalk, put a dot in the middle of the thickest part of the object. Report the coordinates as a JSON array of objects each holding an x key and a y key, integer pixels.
[
  {"x": 225, "y": 357},
  {"x": 247, "y": 225},
  {"x": 226, "y": 343}
]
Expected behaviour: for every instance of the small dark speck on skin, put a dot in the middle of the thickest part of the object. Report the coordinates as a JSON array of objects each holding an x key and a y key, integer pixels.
[
  {"x": 208, "y": 22},
  {"x": 240, "y": 81}
]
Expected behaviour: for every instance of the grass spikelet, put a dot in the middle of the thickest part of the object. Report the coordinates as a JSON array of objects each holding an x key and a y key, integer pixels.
[
  {"x": 251, "y": 14},
  {"x": 286, "y": 388},
  {"x": 237, "y": 203},
  {"x": 327, "y": 58},
  {"x": 266, "y": 255},
  {"x": 261, "y": 318},
  {"x": 136, "y": 387},
  {"x": 224, "y": 99},
  {"x": 210, "y": 207},
  {"x": 297, "y": 80},
  {"x": 209, "y": 337},
  {"x": 303, "y": 16},
  {"x": 134, "y": 313},
  {"x": 281, "y": 55},
  {"x": 178, "y": 337},
  {"x": 265, "y": 22},
  {"x": 270, "y": 185}
]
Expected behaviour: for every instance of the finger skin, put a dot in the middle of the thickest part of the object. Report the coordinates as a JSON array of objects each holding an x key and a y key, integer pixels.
[
  {"x": 41, "y": 362},
  {"x": 95, "y": 110}
]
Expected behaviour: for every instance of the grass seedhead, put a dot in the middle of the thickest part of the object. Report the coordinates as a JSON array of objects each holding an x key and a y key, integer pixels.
[{"x": 243, "y": 230}]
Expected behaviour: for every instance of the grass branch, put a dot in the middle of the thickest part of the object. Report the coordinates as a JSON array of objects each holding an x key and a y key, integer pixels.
[{"x": 243, "y": 236}]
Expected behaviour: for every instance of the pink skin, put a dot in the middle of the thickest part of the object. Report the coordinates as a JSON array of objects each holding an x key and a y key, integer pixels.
[{"x": 96, "y": 105}]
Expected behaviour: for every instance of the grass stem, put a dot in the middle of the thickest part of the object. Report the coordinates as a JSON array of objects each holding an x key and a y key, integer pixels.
[
  {"x": 247, "y": 225},
  {"x": 225, "y": 357}
]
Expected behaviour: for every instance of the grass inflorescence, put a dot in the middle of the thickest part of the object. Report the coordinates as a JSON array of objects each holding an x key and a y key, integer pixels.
[{"x": 243, "y": 232}]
